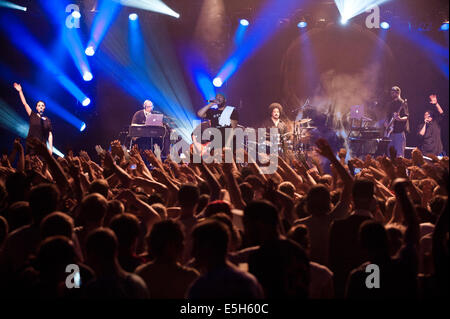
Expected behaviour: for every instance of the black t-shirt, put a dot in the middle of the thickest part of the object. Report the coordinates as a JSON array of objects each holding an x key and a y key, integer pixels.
[
  {"x": 40, "y": 127},
  {"x": 431, "y": 141},
  {"x": 394, "y": 106},
  {"x": 214, "y": 114},
  {"x": 138, "y": 117}
]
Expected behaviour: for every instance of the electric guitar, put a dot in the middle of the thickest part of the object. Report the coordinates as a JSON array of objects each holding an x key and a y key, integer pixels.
[{"x": 390, "y": 127}]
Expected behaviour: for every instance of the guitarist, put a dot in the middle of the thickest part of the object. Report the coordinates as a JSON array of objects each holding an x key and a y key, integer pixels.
[{"x": 397, "y": 123}]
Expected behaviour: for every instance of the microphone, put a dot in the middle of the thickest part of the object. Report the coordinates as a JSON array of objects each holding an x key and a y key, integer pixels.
[{"x": 211, "y": 101}]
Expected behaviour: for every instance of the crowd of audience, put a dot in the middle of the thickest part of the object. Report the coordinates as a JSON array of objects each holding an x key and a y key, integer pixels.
[{"x": 140, "y": 227}]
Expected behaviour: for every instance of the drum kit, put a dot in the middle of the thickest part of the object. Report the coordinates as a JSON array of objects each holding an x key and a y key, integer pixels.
[{"x": 300, "y": 140}]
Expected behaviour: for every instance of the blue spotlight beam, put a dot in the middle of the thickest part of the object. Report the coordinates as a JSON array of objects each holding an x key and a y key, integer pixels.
[
  {"x": 75, "y": 47},
  {"x": 150, "y": 5},
  {"x": 10, "y": 5},
  {"x": 196, "y": 65},
  {"x": 107, "y": 12},
  {"x": 437, "y": 53},
  {"x": 23, "y": 40},
  {"x": 240, "y": 33},
  {"x": 258, "y": 33},
  {"x": 56, "y": 10}
]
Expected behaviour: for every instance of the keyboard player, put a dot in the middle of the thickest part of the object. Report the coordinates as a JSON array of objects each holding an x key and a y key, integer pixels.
[
  {"x": 140, "y": 116},
  {"x": 139, "y": 119}
]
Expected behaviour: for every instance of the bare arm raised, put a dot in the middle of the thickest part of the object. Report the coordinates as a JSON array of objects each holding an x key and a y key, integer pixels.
[{"x": 18, "y": 87}]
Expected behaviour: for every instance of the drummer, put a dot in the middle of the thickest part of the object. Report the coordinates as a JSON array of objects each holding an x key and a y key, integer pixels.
[{"x": 275, "y": 111}]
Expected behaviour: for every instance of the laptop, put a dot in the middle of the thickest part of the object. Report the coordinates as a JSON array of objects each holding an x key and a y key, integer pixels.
[{"x": 154, "y": 120}]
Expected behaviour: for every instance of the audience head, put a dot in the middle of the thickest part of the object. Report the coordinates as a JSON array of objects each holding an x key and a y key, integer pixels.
[
  {"x": 43, "y": 200},
  {"x": 218, "y": 206},
  {"x": 260, "y": 222},
  {"x": 247, "y": 192},
  {"x": 363, "y": 190},
  {"x": 235, "y": 237},
  {"x": 54, "y": 254},
  {"x": 57, "y": 224},
  {"x": 373, "y": 238},
  {"x": 188, "y": 196},
  {"x": 115, "y": 207},
  {"x": 17, "y": 186},
  {"x": 101, "y": 249},
  {"x": 99, "y": 186},
  {"x": 318, "y": 200},
  {"x": 166, "y": 240},
  {"x": 300, "y": 234},
  {"x": 18, "y": 214},
  {"x": 126, "y": 227},
  {"x": 210, "y": 243},
  {"x": 394, "y": 234},
  {"x": 288, "y": 188},
  {"x": 93, "y": 209}
]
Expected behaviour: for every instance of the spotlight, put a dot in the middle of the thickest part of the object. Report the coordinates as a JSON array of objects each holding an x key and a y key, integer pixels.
[
  {"x": 385, "y": 25},
  {"x": 76, "y": 14},
  {"x": 86, "y": 101},
  {"x": 90, "y": 50},
  {"x": 24, "y": 8},
  {"x": 87, "y": 76},
  {"x": 302, "y": 24},
  {"x": 217, "y": 82},
  {"x": 244, "y": 22},
  {"x": 344, "y": 21},
  {"x": 83, "y": 126},
  {"x": 444, "y": 26},
  {"x": 133, "y": 16}
]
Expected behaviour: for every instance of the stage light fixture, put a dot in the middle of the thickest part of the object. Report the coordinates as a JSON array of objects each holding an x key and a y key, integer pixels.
[
  {"x": 90, "y": 51},
  {"x": 302, "y": 24},
  {"x": 244, "y": 22},
  {"x": 86, "y": 101},
  {"x": 344, "y": 21},
  {"x": 444, "y": 26},
  {"x": 83, "y": 127},
  {"x": 76, "y": 14},
  {"x": 87, "y": 76},
  {"x": 133, "y": 16},
  {"x": 217, "y": 82},
  {"x": 385, "y": 25}
]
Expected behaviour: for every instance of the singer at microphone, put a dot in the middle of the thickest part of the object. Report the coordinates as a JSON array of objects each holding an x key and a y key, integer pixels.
[{"x": 40, "y": 127}]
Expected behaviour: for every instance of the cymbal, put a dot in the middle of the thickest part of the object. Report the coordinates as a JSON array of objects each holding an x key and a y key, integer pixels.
[
  {"x": 303, "y": 121},
  {"x": 308, "y": 128}
]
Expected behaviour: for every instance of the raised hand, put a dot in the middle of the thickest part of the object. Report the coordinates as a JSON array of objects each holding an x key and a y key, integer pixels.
[
  {"x": 116, "y": 149},
  {"x": 433, "y": 99},
  {"x": 17, "y": 145},
  {"x": 324, "y": 149},
  {"x": 18, "y": 87},
  {"x": 84, "y": 155},
  {"x": 108, "y": 160}
]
